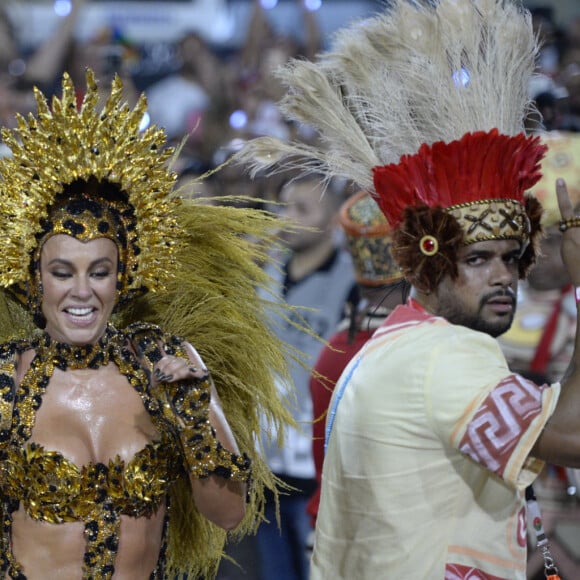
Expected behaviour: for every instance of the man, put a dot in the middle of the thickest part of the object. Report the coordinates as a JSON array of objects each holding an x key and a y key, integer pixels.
[
  {"x": 315, "y": 281},
  {"x": 430, "y": 432},
  {"x": 432, "y": 440}
]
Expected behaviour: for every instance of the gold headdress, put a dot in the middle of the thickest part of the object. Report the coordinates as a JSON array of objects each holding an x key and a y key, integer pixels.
[
  {"x": 424, "y": 106},
  {"x": 92, "y": 173},
  {"x": 369, "y": 240},
  {"x": 94, "y": 158}
]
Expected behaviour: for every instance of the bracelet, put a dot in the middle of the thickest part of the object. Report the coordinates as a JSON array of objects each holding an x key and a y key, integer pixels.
[
  {"x": 573, "y": 222},
  {"x": 204, "y": 455},
  {"x": 187, "y": 410}
]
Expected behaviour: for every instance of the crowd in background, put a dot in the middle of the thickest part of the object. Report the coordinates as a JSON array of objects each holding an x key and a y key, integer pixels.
[
  {"x": 212, "y": 95},
  {"x": 217, "y": 96}
]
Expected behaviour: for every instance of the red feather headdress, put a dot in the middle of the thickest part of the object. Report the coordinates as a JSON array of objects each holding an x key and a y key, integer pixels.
[{"x": 481, "y": 179}]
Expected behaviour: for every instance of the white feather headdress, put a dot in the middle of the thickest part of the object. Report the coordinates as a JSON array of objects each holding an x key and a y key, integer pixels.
[
  {"x": 424, "y": 106},
  {"x": 421, "y": 72}
]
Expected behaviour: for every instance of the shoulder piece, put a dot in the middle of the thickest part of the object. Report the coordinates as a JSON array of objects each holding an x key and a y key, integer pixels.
[{"x": 8, "y": 352}]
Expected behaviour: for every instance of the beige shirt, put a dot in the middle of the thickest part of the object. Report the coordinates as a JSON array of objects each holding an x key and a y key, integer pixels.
[{"x": 427, "y": 460}]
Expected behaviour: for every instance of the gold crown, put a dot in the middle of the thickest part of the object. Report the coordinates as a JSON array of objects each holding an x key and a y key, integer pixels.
[
  {"x": 369, "y": 241},
  {"x": 64, "y": 144}
]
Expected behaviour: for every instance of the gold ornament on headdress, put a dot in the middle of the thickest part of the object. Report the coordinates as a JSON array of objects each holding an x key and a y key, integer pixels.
[
  {"x": 369, "y": 240},
  {"x": 63, "y": 145}
]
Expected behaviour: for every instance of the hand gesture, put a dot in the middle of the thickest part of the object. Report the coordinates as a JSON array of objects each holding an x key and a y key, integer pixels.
[
  {"x": 184, "y": 391},
  {"x": 570, "y": 226}
]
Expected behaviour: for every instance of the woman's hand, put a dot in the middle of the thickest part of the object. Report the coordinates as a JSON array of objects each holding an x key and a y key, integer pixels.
[
  {"x": 170, "y": 369},
  {"x": 184, "y": 390}
]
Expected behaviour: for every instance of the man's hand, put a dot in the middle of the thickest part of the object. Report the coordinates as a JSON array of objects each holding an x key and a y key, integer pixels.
[{"x": 570, "y": 225}]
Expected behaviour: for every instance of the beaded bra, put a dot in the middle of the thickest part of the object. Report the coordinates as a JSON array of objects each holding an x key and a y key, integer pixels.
[{"x": 53, "y": 489}]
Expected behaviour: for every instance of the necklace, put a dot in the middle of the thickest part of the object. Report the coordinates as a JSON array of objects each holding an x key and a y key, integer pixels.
[{"x": 89, "y": 356}]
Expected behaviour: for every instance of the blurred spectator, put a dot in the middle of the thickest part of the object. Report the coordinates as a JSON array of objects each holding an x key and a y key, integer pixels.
[
  {"x": 42, "y": 68},
  {"x": 540, "y": 343},
  {"x": 178, "y": 101},
  {"x": 220, "y": 179},
  {"x": 540, "y": 340},
  {"x": 570, "y": 79},
  {"x": 316, "y": 279},
  {"x": 551, "y": 38},
  {"x": 257, "y": 88},
  {"x": 107, "y": 53},
  {"x": 550, "y": 100}
]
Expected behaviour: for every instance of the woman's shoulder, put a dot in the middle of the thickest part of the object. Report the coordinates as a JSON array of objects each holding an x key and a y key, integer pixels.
[
  {"x": 144, "y": 336},
  {"x": 12, "y": 348}
]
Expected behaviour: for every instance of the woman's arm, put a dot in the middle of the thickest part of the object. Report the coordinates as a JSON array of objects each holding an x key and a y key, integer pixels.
[{"x": 219, "y": 475}]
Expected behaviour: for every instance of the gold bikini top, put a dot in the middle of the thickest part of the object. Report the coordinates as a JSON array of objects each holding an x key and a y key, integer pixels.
[{"x": 53, "y": 489}]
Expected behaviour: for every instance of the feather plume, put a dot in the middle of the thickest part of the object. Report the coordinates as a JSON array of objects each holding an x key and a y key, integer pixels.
[
  {"x": 419, "y": 73},
  {"x": 437, "y": 173}
]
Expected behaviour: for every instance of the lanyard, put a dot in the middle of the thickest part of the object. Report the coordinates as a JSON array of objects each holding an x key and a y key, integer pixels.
[
  {"x": 339, "y": 392},
  {"x": 542, "y": 544}
]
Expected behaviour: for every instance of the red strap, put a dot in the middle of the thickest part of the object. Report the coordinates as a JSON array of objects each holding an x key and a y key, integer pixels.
[{"x": 542, "y": 355}]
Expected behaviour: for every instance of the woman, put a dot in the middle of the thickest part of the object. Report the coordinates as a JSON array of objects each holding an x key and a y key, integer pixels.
[{"x": 116, "y": 457}]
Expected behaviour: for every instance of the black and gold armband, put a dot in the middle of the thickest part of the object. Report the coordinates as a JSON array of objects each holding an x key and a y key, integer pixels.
[
  {"x": 185, "y": 410},
  {"x": 186, "y": 406}
]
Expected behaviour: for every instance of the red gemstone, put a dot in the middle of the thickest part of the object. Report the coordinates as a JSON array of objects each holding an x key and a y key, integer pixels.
[{"x": 428, "y": 245}]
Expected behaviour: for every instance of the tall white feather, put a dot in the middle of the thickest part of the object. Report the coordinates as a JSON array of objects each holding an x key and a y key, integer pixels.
[{"x": 418, "y": 73}]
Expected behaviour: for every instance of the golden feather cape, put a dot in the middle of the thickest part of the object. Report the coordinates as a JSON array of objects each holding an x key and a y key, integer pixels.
[{"x": 205, "y": 288}]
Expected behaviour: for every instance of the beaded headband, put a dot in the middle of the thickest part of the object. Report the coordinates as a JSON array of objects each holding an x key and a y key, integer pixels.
[
  {"x": 481, "y": 180},
  {"x": 87, "y": 173}
]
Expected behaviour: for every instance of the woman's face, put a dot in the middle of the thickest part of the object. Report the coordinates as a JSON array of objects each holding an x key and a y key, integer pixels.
[{"x": 79, "y": 281}]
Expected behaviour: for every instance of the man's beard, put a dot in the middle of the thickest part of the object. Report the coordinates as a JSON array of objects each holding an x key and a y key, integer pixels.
[{"x": 453, "y": 312}]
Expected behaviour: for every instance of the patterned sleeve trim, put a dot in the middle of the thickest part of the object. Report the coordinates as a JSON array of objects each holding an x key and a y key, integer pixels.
[{"x": 501, "y": 422}]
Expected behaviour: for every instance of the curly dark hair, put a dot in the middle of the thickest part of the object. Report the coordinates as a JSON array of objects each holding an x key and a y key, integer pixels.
[
  {"x": 534, "y": 212},
  {"x": 424, "y": 271}
]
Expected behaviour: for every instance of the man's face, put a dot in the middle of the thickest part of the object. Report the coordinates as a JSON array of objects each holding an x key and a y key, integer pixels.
[
  {"x": 483, "y": 296},
  {"x": 308, "y": 208}
]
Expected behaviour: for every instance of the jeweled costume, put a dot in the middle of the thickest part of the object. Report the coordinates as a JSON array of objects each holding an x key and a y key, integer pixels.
[{"x": 188, "y": 267}]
